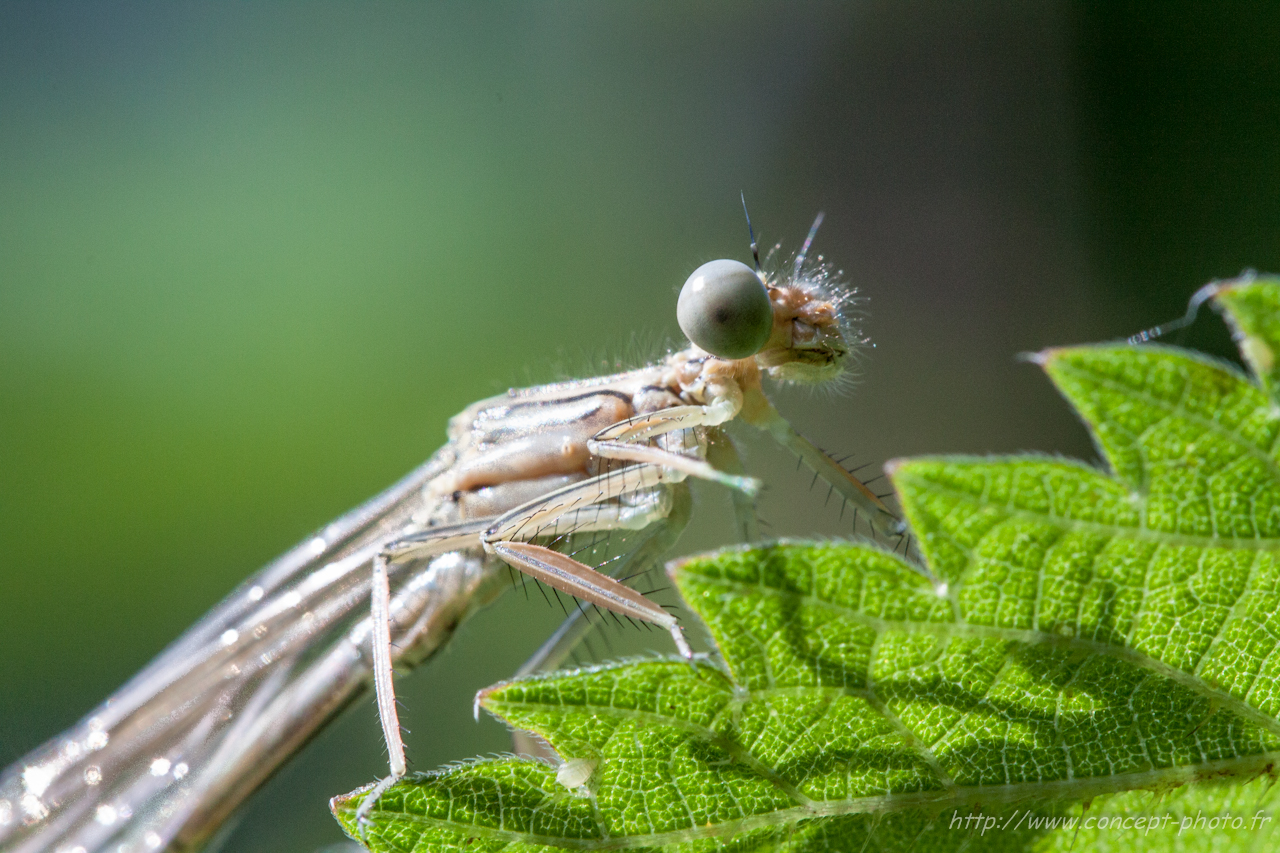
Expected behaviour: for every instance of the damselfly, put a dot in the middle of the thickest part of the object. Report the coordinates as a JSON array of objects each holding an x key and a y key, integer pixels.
[{"x": 523, "y": 476}]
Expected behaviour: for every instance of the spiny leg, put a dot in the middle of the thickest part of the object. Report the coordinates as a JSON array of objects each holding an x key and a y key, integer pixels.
[
  {"x": 643, "y": 427},
  {"x": 417, "y": 545},
  {"x": 504, "y": 537},
  {"x": 657, "y": 543},
  {"x": 766, "y": 417},
  {"x": 508, "y": 538},
  {"x": 539, "y": 517},
  {"x": 625, "y": 441},
  {"x": 649, "y": 455},
  {"x": 581, "y": 581},
  {"x": 383, "y": 688}
]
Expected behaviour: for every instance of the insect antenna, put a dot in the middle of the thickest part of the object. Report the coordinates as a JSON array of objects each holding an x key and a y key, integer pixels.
[
  {"x": 808, "y": 241},
  {"x": 755, "y": 250}
]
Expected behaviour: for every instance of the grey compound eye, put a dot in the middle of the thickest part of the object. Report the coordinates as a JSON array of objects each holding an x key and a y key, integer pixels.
[{"x": 724, "y": 308}]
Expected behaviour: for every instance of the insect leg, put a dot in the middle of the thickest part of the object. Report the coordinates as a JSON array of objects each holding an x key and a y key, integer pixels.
[
  {"x": 539, "y": 516},
  {"x": 504, "y": 537},
  {"x": 675, "y": 461},
  {"x": 414, "y": 546},
  {"x": 380, "y": 640},
  {"x": 625, "y": 440},
  {"x": 524, "y": 522},
  {"x": 641, "y": 427},
  {"x": 766, "y": 417},
  {"x": 508, "y": 539},
  {"x": 660, "y": 537},
  {"x": 581, "y": 581}
]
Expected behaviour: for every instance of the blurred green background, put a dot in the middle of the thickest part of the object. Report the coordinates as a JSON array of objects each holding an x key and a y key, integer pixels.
[{"x": 253, "y": 256}]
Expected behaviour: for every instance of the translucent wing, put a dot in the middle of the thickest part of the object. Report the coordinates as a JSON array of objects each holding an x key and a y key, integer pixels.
[{"x": 169, "y": 756}]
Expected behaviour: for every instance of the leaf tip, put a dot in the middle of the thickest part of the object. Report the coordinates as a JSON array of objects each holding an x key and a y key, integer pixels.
[
  {"x": 484, "y": 696},
  {"x": 342, "y": 804},
  {"x": 1227, "y": 286}
]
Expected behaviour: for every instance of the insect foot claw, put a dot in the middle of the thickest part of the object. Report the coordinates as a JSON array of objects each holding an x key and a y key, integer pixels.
[
  {"x": 370, "y": 800},
  {"x": 681, "y": 644}
]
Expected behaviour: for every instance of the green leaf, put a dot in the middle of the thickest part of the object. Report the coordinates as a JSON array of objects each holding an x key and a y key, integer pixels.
[
  {"x": 1076, "y": 634},
  {"x": 1252, "y": 309}
]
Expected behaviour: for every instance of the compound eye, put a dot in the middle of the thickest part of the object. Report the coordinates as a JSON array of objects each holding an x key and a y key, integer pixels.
[{"x": 724, "y": 308}]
